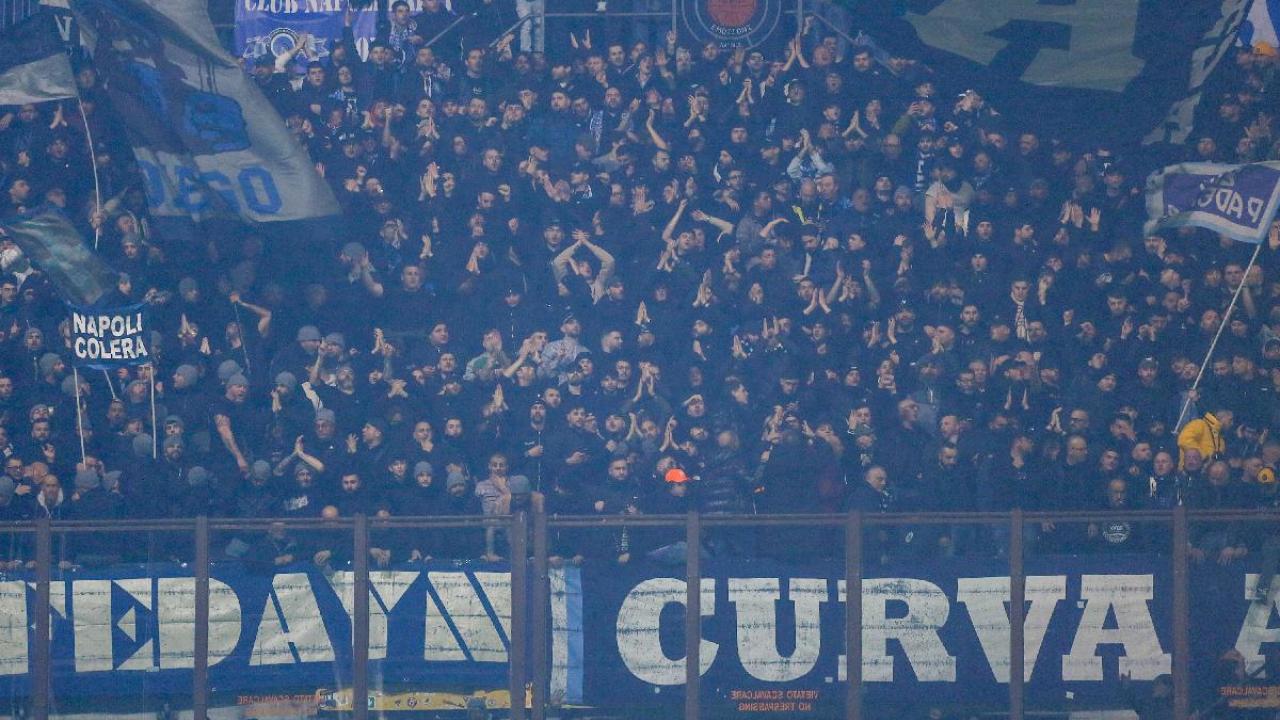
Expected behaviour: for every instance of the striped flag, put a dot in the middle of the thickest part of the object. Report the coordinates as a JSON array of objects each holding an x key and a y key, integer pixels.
[{"x": 53, "y": 245}]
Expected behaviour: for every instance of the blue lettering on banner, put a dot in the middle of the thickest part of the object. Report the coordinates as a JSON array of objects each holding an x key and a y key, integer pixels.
[
  {"x": 181, "y": 188},
  {"x": 772, "y": 636},
  {"x": 260, "y": 190},
  {"x": 212, "y": 124}
]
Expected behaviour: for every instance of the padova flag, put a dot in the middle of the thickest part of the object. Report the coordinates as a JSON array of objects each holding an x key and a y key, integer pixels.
[
  {"x": 208, "y": 142},
  {"x": 1238, "y": 201},
  {"x": 33, "y": 63}
]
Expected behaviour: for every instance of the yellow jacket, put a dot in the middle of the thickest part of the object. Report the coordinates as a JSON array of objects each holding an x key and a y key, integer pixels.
[{"x": 1203, "y": 434}]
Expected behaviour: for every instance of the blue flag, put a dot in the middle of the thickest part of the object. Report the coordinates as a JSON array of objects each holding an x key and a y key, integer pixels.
[
  {"x": 54, "y": 246},
  {"x": 1238, "y": 201},
  {"x": 208, "y": 142}
]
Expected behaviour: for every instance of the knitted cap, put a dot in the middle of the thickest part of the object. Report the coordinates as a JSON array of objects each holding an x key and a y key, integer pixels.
[
  {"x": 227, "y": 368},
  {"x": 188, "y": 373},
  {"x": 87, "y": 479},
  {"x": 260, "y": 470},
  {"x": 141, "y": 445},
  {"x": 197, "y": 476}
]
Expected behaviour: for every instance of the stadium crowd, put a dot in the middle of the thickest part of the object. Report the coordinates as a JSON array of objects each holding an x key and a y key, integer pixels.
[{"x": 623, "y": 277}]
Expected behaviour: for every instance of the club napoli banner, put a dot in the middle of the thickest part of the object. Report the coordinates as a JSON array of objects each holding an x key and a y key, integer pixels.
[
  {"x": 106, "y": 338},
  {"x": 772, "y": 638},
  {"x": 274, "y": 27}
]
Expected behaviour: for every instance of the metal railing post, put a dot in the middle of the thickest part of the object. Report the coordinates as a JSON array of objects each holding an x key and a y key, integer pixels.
[
  {"x": 41, "y": 678},
  {"x": 540, "y": 603},
  {"x": 518, "y": 541},
  {"x": 693, "y": 617},
  {"x": 360, "y": 621},
  {"x": 675, "y": 13},
  {"x": 200, "y": 667},
  {"x": 848, "y": 38},
  {"x": 461, "y": 19},
  {"x": 1181, "y": 618},
  {"x": 1017, "y": 612},
  {"x": 853, "y": 616}
]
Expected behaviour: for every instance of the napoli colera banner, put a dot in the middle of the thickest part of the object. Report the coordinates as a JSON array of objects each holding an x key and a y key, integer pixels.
[
  {"x": 274, "y": 27},
  {"x": 772, "y": 638},
  {"x": 1238, "y": 201},
  {"x": 106, "y": 338},
  {"x": 206, "y": 139}
]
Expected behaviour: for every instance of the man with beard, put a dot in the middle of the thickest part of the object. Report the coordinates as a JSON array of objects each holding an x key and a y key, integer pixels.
[{"x": 235, "y": 421}]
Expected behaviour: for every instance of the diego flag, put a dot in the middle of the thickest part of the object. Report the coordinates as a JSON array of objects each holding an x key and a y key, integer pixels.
[{"x": 208, "y": 142}]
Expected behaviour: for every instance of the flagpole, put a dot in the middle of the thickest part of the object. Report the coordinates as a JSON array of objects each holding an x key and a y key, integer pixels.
[
  {"x": 155, "y": 431},
  {"x": 79, "y": 414},
  {"x": 93, "y": 161},
  {"x": 110, "y": 385},
  {"x": 1226, "y": 318},
  {"x": 244, "y": 347}
]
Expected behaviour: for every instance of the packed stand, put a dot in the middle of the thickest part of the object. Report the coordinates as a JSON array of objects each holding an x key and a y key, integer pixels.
[{"x": 625, "y": 278}]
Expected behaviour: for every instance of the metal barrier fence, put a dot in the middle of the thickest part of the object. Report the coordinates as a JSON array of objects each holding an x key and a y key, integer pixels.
[{"x": 529, "y": 534}]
